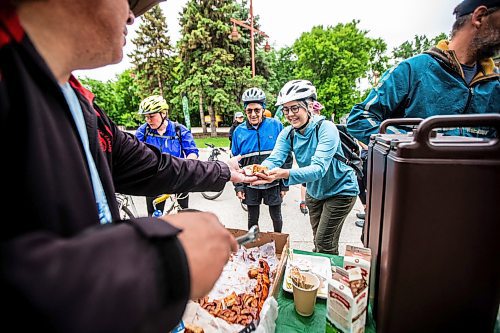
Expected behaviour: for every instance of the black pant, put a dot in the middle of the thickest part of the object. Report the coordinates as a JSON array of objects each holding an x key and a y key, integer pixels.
[
  {"x": 184, "y": 203},
  {"x": 271, "y": 197},
  {"x": 274, "y": 212}
]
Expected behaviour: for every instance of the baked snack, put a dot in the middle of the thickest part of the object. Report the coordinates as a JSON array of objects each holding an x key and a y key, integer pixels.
[
  {"x": 189, "y": 328},
  {"x": 260, "y": 168},
  {"x": 251, "y": 169}
]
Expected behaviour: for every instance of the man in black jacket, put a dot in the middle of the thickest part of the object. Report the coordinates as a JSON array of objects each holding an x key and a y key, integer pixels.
[{"x": 67, "y": 263}]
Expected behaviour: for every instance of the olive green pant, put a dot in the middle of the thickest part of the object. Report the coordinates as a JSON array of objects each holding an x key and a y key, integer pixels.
[{"x": 327, "y": 217}]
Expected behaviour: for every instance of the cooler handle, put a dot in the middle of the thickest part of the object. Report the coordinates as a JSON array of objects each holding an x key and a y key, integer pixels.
[
  {"x": 398, "y": 121},
  {"x": 421, "y": 137}
]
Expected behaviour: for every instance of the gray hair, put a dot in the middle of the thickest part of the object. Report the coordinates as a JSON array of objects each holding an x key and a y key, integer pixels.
[{"x": 462, "y": 20}]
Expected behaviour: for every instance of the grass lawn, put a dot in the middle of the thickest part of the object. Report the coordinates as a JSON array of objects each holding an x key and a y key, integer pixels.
[{"x": 219, "y": 141}]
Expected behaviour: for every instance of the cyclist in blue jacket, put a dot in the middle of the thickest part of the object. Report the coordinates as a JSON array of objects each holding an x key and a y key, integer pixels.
[
  {"x": 168, "y": 136},
  {"x": 254, "y": 140},
  {"x": 452, "y": 78}
]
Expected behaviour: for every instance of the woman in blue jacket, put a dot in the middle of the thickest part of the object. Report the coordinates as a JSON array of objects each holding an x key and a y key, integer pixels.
[
  {"x": 331, "y": 185},
  {"x": 168, "y": 136}
]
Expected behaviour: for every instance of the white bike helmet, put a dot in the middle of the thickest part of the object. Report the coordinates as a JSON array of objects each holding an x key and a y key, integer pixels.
[
  {"x": 296, "y": 90},
  {"x": 253, "y": 95}
]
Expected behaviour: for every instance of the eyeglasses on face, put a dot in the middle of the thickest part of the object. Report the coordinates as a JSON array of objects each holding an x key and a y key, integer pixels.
[
  {"x": 250, "y": 111},
  {"x": 150, "y": 116},
  {"x": 294, "y": 108}
]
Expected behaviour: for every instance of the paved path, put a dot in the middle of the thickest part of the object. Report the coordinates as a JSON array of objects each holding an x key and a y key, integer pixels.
[
  {"x": 199, "y": 130},
  {"x": 227, "y": 208}
]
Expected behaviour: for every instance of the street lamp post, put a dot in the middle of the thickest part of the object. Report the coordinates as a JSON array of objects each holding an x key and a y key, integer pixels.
[{"x": 235, "y": 36}]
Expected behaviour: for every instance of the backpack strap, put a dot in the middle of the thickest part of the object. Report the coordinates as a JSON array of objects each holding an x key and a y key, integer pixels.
[
  {"x": 178, "y": 134},
  {"x": 318, "y": 125},
  {"x": 352, "y": 159},
  {"x": 290, "y": 137},
  {"x": 146, "y": 133}
]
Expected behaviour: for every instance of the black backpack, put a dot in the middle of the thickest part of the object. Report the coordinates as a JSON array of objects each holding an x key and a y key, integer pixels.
[{"x": 349, "y": 147}]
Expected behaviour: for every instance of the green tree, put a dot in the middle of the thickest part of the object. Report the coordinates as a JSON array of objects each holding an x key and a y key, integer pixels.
[
  {"x": 127, "y": 99},
  {"x": 282, "y": 64},
  {"x": 418, "y": 45},
  {"x": 153, "y": 56},
  {"x": 333, "y": 59},
  {"x": 118, "y": 98},
  {"x": 215, "y": 71},
  {"x": 105, "y": 96}
]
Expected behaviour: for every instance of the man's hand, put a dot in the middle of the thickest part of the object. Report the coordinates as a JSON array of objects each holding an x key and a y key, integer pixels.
[
  {"x": 208, "y": 246},
  {"x": 283, "y": 193},
  {"x": 240, "y": 195},
  {"x": 271, "y": 176},
  {"x": 237, "y": 174}
]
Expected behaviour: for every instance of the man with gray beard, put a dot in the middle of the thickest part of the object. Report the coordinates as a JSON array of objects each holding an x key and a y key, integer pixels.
[{"x": 454, "y": 77}]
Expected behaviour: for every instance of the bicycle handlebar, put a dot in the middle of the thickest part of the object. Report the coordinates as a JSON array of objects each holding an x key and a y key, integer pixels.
[{"x": 215, "y": 148}]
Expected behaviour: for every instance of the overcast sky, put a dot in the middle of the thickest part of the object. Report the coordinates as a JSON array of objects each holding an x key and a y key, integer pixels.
[{"x": 284, "y": 21}]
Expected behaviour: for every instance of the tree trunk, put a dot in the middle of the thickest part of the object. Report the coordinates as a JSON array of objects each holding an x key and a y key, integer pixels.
[
  {"x": 160, "y": 85},
  {"x": 202, "y": 114},
  {"x": 213, "y": 128}
]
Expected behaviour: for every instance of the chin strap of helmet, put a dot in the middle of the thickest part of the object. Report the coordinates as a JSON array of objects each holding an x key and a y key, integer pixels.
[
  {"x": 163, "y": 118},
  {"x": 305, "y": 106},
  {"x": 305, "y": 125}
]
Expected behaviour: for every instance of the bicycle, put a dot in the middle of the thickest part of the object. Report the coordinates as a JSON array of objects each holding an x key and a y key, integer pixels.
[
  {"x": 126, "y": 206},
  {"x": 172, "y": 205},
  {"x": 214, "y": 156}
]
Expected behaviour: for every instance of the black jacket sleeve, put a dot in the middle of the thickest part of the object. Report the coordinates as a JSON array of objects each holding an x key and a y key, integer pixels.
[{"x": 120, "y": 277}]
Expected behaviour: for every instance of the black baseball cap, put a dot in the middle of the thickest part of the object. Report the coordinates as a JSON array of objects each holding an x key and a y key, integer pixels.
[
  {"x": 468, "y": 6},
  {"x": 139, "y": 7}
]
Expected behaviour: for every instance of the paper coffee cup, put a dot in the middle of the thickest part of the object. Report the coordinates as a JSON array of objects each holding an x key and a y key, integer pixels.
[{"x": 305, "y": 299}]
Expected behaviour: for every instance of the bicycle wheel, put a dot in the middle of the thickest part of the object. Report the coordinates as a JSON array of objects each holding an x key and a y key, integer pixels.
[
  {"x": 126, "y": 206},
  {"x": 126, "y": 213},
  {"x": 211, "y": 195},
  {"x": 171, "y": 206}
]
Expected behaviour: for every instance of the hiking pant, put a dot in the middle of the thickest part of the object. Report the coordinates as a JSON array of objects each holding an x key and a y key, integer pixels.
[{"x": 327, "y": 217}]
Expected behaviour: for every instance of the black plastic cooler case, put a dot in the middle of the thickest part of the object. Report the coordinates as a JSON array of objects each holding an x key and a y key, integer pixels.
[{"x": 433, "y": 225}]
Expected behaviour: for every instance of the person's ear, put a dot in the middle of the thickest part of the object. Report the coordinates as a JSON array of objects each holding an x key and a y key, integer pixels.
[{"x": 478, "y": 15}]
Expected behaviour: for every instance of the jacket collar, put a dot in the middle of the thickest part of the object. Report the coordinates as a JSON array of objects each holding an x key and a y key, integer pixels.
[
  {"x": 10, "y": 27},
  {"x": 75, "y": 84},
  {"x": 443, "y": 53}
]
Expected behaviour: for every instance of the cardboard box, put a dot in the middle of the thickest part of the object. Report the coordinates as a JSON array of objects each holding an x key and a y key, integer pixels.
[
  {"x": 358, "y": 257},
  {"x": 282, "y": 244},
  {"x": 348, "y": 292},
  {"x": 346, "y": 310}
]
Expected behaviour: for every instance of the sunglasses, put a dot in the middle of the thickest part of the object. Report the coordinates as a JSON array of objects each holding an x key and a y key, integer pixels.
[{"x": 250, "y": 111}]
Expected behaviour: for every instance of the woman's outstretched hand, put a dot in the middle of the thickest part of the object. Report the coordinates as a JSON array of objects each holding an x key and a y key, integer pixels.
[{"x": 271, "y": 176}]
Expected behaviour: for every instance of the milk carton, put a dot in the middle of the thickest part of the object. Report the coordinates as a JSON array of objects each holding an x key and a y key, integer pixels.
[
  {"x": 347, "y": 301},
  {"x": 358, "y": 257}
]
